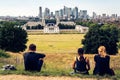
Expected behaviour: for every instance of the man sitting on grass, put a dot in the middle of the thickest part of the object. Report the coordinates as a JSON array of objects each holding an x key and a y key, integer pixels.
[{"x": 33, "y": 61}]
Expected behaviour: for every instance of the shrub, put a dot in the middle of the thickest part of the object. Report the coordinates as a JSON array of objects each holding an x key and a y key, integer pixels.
[
  {"x": 12, "y": 38},
  {"x": 4, "y": 54},
  {"x": 106, "y": 35}
]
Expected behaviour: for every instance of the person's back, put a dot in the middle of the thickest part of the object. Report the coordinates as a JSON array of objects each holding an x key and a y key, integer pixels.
[
  {"x": 102, "y": 65},
  {"x": 32, "y": 60},
  {"x": 81, "y": 63},
  {"x": 102, "y": 60}
]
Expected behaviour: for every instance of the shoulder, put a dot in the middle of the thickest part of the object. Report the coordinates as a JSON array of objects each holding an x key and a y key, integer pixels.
[
  {"x": 25, "y": 53},
  {"x": 107, "y": 56},
  {"x": 75, "y": 58},
  {"x": 97, "y": 56}
]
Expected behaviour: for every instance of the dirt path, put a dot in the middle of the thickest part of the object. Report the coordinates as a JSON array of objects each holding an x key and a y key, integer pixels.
[{"x": 23, "y": 77}]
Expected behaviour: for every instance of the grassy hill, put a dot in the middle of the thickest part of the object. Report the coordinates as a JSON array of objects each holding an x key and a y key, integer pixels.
[{"x": 60, "y": 50}]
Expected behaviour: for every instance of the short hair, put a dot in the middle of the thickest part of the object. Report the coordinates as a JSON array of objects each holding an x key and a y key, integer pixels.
[
  {"x": 80, "y": 50},
  {"x": 32, "y": 47}
]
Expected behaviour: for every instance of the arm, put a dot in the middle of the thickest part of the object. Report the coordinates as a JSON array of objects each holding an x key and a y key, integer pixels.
[
  {"x": 88, "y": 64},
  {"x": 73, "y": 66},
  {"x": 41, "y": 56}
]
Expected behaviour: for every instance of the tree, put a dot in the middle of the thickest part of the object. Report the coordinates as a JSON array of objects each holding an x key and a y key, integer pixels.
[
  {"x": 106, "y": 35},
  {"x": 12, "y": 38}
]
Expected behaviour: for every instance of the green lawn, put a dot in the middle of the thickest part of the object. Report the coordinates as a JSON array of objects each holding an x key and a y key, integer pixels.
[{"x": 56, "y": 43}]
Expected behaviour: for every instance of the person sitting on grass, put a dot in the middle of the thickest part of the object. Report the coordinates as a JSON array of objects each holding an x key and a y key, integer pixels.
[
  {"x": 102, "y": 60},
  {"x": 81, "y": 63},
  {"x": 33, "y": 61}
]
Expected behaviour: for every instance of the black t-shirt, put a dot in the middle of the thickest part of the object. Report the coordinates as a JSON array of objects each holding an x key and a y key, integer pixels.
[
  {"x": 102, "y": 65},
  {"x": 31, "y": 60}
]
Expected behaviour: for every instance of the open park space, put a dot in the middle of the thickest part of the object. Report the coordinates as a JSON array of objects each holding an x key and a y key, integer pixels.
[{"x": 60, "y": 50}]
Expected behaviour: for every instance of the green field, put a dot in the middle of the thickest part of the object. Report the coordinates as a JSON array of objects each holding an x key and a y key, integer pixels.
[
  {"x": 60, "y": 50},
  {"x": 56, "y": 43}
]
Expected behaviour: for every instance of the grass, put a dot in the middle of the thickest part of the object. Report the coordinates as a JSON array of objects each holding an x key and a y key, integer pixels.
[
  {"x": 60, "y": 43},
  {"x": 60, "y": 50}
]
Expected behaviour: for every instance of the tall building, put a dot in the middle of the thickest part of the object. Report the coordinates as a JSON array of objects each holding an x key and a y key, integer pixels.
[
  {"x": 65, "y": 11},
  {"x": 94, "y": 16},
  {"x": 47, "y": 13},
  {"x": 69, "y": 13},
  {"x": 61, "y": 13},
  {"x": 40, "y": 13},
  {"x": 75, "y": 13},
  {"x": 104, "y": 16},
  {"x": 83, "y": 14},
  {"x": 51, "y": 15},
  {"x": 56, "y": 14}
]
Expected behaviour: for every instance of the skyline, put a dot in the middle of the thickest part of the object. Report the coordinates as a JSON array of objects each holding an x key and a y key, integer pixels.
[{"x": 31, "y": 7}]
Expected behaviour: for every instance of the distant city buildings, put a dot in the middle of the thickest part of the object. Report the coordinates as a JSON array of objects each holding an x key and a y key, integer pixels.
[{"x": 65, "y": 14}]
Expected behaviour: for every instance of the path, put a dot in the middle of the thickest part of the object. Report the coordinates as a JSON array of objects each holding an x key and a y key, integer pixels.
[{"x": 24, "y": 77}]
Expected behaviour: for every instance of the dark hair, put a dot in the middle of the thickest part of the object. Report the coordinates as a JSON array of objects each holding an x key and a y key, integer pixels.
[
  {"x": 80, "y": 50},
  {"x": 32, "y": 47}
]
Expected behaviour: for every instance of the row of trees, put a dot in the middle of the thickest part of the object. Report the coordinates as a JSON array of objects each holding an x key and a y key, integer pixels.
[
  {"x": 85, "y": 23},
  {"x": 62, "y": 26},
  {"x": 17, "y": 22},
  {"x": 35, "y": 27}
]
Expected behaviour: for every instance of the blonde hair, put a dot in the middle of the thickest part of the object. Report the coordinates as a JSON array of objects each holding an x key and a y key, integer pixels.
[{"x": 102, "y": 51}]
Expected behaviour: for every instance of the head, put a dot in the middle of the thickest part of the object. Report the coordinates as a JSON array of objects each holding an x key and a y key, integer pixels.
[
  {"x": 32, "y": 47},
  {"x": 80, "y": 51},
  {"x": 102, "y": 50}
]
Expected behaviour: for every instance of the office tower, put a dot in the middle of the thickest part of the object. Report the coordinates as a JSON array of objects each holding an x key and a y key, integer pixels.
[
  {"x": 75, "y": 13},
  {"x": 56, "y": 14},
  {"x": 47, "y": 13},
  {"x": 83, "y": 14},
  {"x": 40, "y": 13},
  {"x": 51, "y": 15},
  {"x": 61, "y": 13},
  {"x": 104, "y": 16},
  {"x": 69, "y": 13},
  {"x": 94, "y": 16},
  {"x": 65, "y": 11}
]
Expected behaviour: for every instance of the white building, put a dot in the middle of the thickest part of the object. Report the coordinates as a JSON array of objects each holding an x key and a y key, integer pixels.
[
  {"x": 81, "y": 29},
  {"x": 51, "y": 28}
]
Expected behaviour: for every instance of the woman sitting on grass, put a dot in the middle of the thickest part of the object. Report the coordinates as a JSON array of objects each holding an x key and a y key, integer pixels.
[
  {"x": 81, "y": 63},
  {"x": 102, "y": 60}
]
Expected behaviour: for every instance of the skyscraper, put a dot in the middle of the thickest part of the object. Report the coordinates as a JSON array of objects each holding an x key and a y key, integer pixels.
[
  {"x": 40, "y": 13},
  {"x": 56, "y": 14},
  {"x": 47, "y": 13},
  {"x": 83, "y": 14},
  {"x": 75, "y": 13}
]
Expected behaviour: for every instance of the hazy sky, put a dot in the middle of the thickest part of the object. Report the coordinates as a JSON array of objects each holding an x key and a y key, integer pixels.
[{"x": 31, "y": 7}]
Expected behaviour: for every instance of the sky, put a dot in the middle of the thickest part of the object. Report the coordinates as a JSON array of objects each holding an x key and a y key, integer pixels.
[{"x": 31, "y": 7}]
